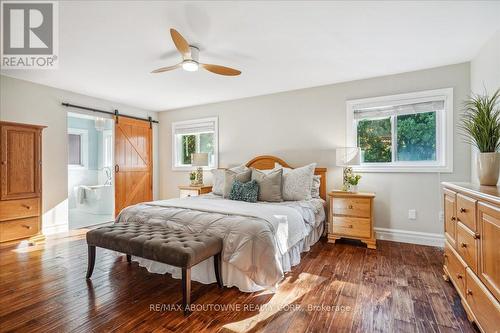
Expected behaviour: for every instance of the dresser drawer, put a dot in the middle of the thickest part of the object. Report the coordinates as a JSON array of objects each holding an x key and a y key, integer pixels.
[
  {"x": 466, "y": 211},
  {"x": 351, "y": 226},
  {"x": 17, "y": 229},
  {"x": 357, "y": 207},
  {"x": 456, "y": 267},
  {"x": 14, "y": 209},
  {"x": 485, "y": 307},
  {"x": 467, "y": 246}
]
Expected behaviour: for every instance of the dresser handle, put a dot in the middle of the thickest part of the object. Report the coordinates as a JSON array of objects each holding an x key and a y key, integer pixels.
[
  {"x": 4, "y": 162},
  {"x": 27, "y": 207},
  {"x": 350, "y": 226},
  {"x": 463, "y": 210},
  {"x": 453, "y": 218},
  {"x": 463, "y": 245},
  {"x": 27, "y": 226},
  {"x": 469, "y": 292},
  {"x": 459, "y": 275},
  {"x": 476, "y": 236},
  {"x": 350, "y": 207}
]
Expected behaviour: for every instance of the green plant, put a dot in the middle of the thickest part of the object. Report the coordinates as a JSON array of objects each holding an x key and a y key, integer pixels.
[
  {"x": 192, "y": 175},
  {"x": 481, "y": 122},
  {"x": 353, "y": 179}
]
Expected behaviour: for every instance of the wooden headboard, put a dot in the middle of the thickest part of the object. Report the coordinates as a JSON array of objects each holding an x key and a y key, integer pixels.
[{"x": 266, "y": 162}]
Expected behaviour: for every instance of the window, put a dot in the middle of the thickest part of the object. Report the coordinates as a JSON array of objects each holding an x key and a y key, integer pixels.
[
  {"x": 403, "y": 133},
  {"x": 194, "y": 136},
  {"x": 77, "y": 148}
]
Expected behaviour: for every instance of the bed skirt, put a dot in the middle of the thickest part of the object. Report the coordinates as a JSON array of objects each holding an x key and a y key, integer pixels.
[{"x": 233, "y": 277}]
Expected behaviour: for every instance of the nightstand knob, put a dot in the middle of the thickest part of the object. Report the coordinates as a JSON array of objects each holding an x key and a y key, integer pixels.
[
  {"x": 350, "y": 206},
  {"x": 463, "y": 210},
  {"x": 463, "y": 244},
  {"x": 350, "y": 226},
  {"x": 469, "y": 292},
  {"x": 459, "y": 275},
  {"x": 453, "y": 218}
]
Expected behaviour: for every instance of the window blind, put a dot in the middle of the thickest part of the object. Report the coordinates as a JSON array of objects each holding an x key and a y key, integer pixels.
[
  {"x": 194, "y": 128},
  {"x": 398, "y": 109}
]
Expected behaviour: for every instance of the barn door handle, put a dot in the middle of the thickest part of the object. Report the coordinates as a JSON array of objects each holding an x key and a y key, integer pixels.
[{"x": 117, "y": 168}]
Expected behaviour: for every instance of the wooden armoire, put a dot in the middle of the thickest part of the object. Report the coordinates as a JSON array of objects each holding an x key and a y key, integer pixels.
[{"x": 21, "y": 182}]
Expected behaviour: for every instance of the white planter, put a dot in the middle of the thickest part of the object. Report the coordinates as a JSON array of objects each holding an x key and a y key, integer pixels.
[
  {"x": 353, "y": 188},
  {"x": 488, "y": 166}
]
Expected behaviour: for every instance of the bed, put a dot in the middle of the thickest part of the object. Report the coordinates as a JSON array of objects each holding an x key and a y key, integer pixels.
[{"x": 261, "y": 241}]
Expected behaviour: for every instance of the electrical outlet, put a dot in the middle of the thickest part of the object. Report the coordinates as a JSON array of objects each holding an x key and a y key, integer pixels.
[
  {"x": 412, "y": 214},
  {"x": 441, "y": 216}
]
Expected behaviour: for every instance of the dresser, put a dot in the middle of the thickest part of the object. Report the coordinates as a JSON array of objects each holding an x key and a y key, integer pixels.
[
  {"x": 472, "y": 249},
  {"x": 351, "y": 216},
  {"x": 20, "y": 182},
  {"x": 193, "y": 190}
]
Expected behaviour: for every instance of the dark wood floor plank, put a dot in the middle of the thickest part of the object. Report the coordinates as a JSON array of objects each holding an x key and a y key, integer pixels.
[{"x": 397, "y": 287}]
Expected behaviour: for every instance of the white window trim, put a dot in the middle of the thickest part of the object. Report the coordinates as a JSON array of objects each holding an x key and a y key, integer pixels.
[
  {"x": 84, "y": 148},
  {"x": 175, "y": 167},
  {"x": 444, "y": 138}
]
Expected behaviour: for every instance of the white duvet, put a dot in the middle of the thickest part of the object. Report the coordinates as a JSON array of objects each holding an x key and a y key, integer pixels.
[{"x": 255, "y": 235}]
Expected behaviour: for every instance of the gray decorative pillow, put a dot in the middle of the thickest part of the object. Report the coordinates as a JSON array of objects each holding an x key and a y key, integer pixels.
[
  {"x": 218, "y": 181},
  {"x": 315, "y": 186},
  {"x": 270, "y": 183},
  {"x": 244, "y": 191},
  {"x": 297, "y": 183},
  {"x": 231, "y": 176},
  {"x": 218, "y": 178}
]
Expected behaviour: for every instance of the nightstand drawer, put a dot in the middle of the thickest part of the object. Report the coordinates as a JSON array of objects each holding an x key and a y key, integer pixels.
[
  {"x": 188, "y": 193},
  {"x": 358, "y": 207},
  {"x": 352, "y": 226}
]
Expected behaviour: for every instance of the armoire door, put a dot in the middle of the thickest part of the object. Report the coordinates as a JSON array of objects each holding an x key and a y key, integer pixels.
[
  {"x": 20, "y": 166},
  {"x": 133, "y": 162}
]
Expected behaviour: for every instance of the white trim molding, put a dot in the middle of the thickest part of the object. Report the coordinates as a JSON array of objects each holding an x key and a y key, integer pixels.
[
  {"x": 412, "y": 237},
  {"x": 444, "y": 135}
]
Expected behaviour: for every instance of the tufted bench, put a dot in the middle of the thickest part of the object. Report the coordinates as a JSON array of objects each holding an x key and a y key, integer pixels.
[{"x": 173, "y": 247}]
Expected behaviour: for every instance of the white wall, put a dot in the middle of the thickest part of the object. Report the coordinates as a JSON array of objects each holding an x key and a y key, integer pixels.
[
  {"x": 26, "y": 102},
  {"x": 485, "y": 74},
  {"x": 306, "y": 126}
]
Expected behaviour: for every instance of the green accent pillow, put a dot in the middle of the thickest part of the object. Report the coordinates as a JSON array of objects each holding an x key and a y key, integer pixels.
[{"x": 248, "y": 191}]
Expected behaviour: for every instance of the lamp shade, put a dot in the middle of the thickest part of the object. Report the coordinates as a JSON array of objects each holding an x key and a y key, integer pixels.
[
  {"x": 199, "y": 159},
  {"x": 348, "y": 156}
]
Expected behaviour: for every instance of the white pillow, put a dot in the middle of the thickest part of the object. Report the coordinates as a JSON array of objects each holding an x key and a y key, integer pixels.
[
  {"x": 297, "y": 183},
  {"x": 218, "y": 178},
  {"x": 316, "y": 183}
]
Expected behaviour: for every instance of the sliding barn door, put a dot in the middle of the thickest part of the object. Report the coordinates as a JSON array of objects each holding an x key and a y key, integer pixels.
[{"x": 134, "y": 166}]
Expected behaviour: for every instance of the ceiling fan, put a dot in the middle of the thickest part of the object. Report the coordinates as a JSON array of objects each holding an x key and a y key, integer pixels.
[{"x": 190, "y": 56}]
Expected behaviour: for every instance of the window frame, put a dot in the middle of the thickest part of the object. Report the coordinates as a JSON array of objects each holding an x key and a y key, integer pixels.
[
  {"x": 444, "y": 132},
  {"x": 183, "y": 167},
  {"x": 84, "y": 148}
]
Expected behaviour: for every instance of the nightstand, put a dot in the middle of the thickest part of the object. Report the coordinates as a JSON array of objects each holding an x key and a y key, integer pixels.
[
  {"x": 351, "y": 216},
  {"x": 193, "y": 191}
]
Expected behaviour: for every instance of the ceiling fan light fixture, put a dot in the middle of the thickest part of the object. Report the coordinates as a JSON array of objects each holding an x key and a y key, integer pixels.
[{"x": 190, "y": 65}]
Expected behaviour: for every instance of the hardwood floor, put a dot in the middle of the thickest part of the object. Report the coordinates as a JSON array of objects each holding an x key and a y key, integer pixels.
[{"x": 396, "y": 288}]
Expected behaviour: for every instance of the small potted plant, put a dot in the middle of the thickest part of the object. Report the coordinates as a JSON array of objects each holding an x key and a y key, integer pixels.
[
  {"x": 353, "y": 181},
  {"x": 192, "y": 177},
  {"x": 481, "y": 127}
]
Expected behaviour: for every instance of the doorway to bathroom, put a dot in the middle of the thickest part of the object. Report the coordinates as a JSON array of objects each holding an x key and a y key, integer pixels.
[{"x": 90, "y": 170}]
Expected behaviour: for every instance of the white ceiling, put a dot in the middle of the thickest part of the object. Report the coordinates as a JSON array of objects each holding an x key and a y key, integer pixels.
[{"x": 107, "y": 49}]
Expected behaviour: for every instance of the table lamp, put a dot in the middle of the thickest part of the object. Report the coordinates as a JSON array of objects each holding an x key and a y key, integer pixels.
[
  {"x": 347, "y": 157},
  {"x": 199, "y": 160}
]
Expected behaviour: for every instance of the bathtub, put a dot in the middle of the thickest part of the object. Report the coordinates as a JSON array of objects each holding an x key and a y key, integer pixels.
[{"x": 95, "y": 199}]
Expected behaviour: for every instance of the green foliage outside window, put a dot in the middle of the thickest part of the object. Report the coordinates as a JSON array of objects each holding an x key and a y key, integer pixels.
[
  {"x": 416, "y": 137},
  {"x": 374, "y": 139},
  {"x": 188, "y": 148}
]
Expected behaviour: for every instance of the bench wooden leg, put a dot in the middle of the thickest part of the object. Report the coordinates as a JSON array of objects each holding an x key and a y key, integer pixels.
[
  {"x": 186, "y": 289},
  {"x": 129, "y": 258},
  {"x": 218, "y": 269},
  {"x": 91, "y": 261}
]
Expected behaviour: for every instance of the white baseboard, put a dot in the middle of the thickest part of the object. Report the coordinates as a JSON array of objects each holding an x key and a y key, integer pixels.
[{"x": 413, "y": 237}]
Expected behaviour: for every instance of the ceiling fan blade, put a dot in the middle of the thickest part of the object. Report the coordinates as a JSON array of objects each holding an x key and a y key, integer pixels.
[
  {"x": 165, "y": 69},
  {"x": 221, "y": 70},
  {"x": 180, "y": 43}
]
